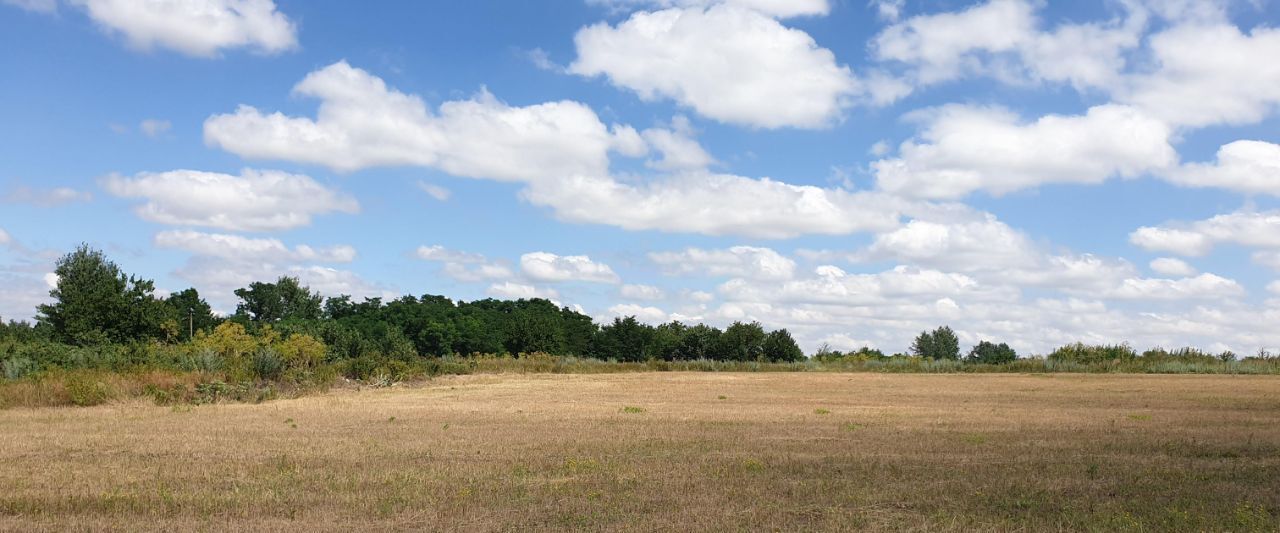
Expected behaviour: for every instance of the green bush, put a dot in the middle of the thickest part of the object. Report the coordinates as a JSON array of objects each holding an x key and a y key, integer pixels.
[
  {"x": 18, "y": 367},
  {"x": 202, "y": 360},
  {"x": 86, "y": 390},
  {"x": 1083, "y": 353},
  {"x": 267, "y": 364}
]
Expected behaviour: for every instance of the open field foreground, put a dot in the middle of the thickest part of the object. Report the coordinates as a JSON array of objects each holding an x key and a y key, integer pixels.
[{"x": 668, "y": 451}]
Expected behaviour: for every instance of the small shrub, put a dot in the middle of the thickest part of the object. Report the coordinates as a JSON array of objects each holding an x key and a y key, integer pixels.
[
  {"x": 202, "y": 359},
  {"x": 267, "y": 364},
  {"x": 84, "y": 390},
  {"x": 633, "y": 410},
  {"x": 19, "y": 367}
]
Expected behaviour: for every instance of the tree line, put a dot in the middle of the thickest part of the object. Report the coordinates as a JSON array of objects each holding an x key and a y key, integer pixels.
[{"x": 95, "y": 303}]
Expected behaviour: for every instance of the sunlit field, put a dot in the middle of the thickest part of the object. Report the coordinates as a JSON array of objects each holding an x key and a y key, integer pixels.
[{"x": 667, "y": 451}]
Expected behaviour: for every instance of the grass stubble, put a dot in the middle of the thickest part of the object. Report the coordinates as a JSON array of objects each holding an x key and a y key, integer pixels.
[{"x": 667, "y": 451}]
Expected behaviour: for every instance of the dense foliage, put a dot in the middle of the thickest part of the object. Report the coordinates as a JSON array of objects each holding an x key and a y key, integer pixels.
[{"x": 941, "y": 343}]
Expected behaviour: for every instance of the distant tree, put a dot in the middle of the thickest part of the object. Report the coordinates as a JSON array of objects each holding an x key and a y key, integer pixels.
[
  {"x": 940, "y": 343},
  {"x": 96, "y": 303},
  {"x": 626, "y": 339},
  {"x": 666, "y": 340},
  {"x": 437, "y": 338},
  {"x": 191, "y": 312},
  {"x": 780, "y": 346},
  {"x": 991, "y": 354},
  {"x": 286, "y": 299},
  {"x": 698, "y": 342},
  {"x": 533, "y": 331},
  {"x": 741, "y": 342}
]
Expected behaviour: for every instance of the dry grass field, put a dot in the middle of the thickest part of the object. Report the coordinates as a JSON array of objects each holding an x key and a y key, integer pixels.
[{"x": 669, "y": 452}]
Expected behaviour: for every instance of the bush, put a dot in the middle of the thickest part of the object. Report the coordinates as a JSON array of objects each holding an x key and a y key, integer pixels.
[
  {"x": 1085, "y": 354},
  {"x": 267, "y": 364},
  {"x": 201, "y": 360},
  {"x": 18, "y": 367},
  {"x": 86, "y": 390}
]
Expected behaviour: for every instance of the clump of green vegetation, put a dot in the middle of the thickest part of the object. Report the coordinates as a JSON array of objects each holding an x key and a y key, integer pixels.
[
  {"x": 633, "y": 410},
  {"x": 821, "y": 411}
]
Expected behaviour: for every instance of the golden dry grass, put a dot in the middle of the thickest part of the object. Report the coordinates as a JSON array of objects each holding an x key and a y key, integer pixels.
[{"x": 667, "y": 451}]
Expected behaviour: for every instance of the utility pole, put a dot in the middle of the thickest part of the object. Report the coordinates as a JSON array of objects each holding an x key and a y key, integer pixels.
[{"x": 191, "y": 324}]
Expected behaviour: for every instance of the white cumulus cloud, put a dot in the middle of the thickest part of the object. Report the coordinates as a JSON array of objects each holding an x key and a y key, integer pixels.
[
  {"x": 256, "y": 200},
  {"x": 549, "y": 267},
  {"x": 729, "y": 63}
]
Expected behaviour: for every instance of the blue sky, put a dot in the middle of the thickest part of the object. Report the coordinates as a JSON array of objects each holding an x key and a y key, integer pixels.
[{"x": 1029, "y": 172}]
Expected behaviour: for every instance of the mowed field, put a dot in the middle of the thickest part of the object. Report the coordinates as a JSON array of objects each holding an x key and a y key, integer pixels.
[{"x": 667, "y": 451}]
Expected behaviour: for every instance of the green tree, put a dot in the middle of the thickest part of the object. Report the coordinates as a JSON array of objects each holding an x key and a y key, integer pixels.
[
  {"x": 626, "y": 339},
  {"x": 991, "y": 354},
  {"x": 192, "y": 313},
  {"x": 940, "y": 343},
  {"x": 741, "y": 342},
  {"x": 780, "y": 346},
  {"x": 96, "y": 303},
  {"x": 286, "y": 299},
  {"x": 699, "y": 342}
]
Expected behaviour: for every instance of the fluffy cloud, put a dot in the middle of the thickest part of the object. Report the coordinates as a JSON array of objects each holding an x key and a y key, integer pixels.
[
  {"x": 1170, "y": 266},
  {"x": 718, "y": 204},
  {"x": 5, "y": 239},
  {"x": 1209, "y": 72},
  {"x": 256, "y": 200},
  {"x": 516, "y": 291},
  {"x": 728, "y": 63},
  {"x": 195, "y": 27},
  {"x": 45, "y": 197},
  {"x": 680, "y": 151},
  {"x": 548, "y": 267},
  {"x": 362, "y": 123},
  {"x": 1002, "y": 38},
  {"x": 739, "y": 261},
  {"x": 890, "y": 10},
  {"x": 775, "y": 8},
  {"x": 1251, "y": 167},
  {"x": 1203, "y": 286},
  {"x": 1245, "y": 228},
  {"x": 965, "y": 149},
  {"x": 832, "y": 285},
  {"x": 979, "y": 244},
  {"x": 646, "y": 314},
  {"x": 465, "y": 266},
  {"x": 641, "y": 292},
  {"x": 559, "y": 150},
  {"x": 240, "y": 248}
]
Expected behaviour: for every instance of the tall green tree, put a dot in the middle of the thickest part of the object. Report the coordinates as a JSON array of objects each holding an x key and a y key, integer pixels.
[
  {"x": 699, "y": 342},
  {"x": 626, "y": 339},
  {"x": 192, "y": 313},
  {"x": 940, "y": 343},
  {"x": 741, "y": 342},
  {"x": 95, "y": 302},
  {"x": 781, "y": 346},
  {"x": 286, "y": 299}
]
